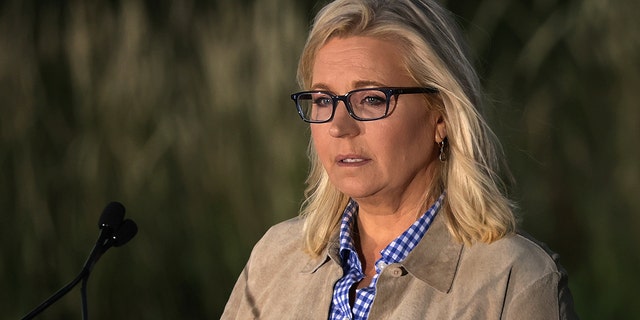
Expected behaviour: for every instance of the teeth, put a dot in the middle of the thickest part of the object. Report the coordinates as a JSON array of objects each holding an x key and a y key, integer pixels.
[{"x": 352, "y": 160}]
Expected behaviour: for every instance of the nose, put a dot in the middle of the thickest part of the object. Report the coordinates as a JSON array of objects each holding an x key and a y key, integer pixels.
[{"x": 343, "y": 125}]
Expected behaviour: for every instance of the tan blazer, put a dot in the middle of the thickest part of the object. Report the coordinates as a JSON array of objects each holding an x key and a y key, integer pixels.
[{"x": 513, "y": 278}]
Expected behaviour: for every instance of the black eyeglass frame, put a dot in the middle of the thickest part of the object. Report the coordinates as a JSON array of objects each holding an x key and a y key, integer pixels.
[{"x": 388, "y": 91}]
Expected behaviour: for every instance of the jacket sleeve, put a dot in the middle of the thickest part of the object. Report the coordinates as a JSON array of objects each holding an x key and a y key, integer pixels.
[
  {"x": 235, "y": 300},
  {"x": 546, "y": 298}
]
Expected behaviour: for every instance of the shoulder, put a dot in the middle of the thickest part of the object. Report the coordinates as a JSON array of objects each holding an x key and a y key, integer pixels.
[
  {"x": 536, "y": 284},
  {"x": 281, "y": 243},
  {"x": 527, "y": 251},
  {"x": 287, "y": 232},
  {"x": 522, "y": 256}
]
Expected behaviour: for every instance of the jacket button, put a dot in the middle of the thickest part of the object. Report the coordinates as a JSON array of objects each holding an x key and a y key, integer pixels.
[{"x": 396, "y": 272}]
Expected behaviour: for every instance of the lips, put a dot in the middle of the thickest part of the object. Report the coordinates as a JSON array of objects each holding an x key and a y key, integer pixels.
[{"x": 351, "y": 160}]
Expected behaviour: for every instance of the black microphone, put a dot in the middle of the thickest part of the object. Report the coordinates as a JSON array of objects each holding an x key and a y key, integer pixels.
[
  {"x": 114, "y": 232},
  {"x": 127, "y": 230},
  {"x": 112, "y": 215}
]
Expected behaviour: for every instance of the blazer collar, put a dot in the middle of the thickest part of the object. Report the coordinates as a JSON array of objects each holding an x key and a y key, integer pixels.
[
  {"x": 435, "y": 259},
  {"x": 331, "y": 253}
]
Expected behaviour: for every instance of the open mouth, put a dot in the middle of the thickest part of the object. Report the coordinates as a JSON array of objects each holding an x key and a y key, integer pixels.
[{"x": 352, "y": 160}]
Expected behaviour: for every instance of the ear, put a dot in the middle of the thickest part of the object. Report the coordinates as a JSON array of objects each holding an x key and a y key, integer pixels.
[{"x": 441, "y": 129}]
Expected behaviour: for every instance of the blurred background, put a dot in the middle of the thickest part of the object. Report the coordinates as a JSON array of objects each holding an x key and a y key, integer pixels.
[{"x": 180, "y": 110}]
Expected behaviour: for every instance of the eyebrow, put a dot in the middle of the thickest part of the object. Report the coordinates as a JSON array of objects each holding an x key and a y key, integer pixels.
[{"x": 356, "y": 85}]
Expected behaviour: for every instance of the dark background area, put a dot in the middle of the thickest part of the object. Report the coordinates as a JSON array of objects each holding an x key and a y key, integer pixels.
[{"x": 181, "y": 111}]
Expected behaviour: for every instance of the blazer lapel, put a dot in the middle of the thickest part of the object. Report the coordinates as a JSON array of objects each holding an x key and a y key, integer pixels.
[{"x": 435, "y": 259}]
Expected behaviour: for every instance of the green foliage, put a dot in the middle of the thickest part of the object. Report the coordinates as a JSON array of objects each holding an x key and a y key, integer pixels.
[{"x": 181, "y": 111}]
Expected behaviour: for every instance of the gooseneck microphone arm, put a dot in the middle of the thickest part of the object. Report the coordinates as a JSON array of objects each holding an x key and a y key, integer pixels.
[
  {"x": 114, "y": 233},
  {"x": 59, "y": 294}
]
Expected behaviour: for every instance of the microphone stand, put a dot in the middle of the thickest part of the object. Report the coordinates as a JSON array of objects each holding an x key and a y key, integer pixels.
[
  {"x": 83, "y": 295},
  {"x": 59, "y": 294},
  {"x": 104, "y": 242},
  {"x": 114, "y": 232}
]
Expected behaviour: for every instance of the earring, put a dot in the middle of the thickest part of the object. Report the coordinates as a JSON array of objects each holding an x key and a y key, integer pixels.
[{"x": 444, "y": 148}]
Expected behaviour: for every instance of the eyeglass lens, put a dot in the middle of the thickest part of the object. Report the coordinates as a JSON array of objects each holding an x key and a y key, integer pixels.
[{"x": 364, "y": 104}]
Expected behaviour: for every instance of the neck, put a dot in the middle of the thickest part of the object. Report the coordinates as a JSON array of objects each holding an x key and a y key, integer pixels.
[
  {"x": 377, "y": 230},
  {"x": 373, "y": 232},
  {"x": 380, "y": 222}
]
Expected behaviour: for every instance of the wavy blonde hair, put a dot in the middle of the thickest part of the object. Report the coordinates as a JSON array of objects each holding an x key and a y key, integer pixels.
[{"x": 476, "y": 207}]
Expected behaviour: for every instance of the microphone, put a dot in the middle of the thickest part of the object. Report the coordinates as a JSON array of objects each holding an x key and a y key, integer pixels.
[
  {"x": 111, "y": 216},
  {"x": 127, "y": 230},
  {"x": 114, "y": 232}
]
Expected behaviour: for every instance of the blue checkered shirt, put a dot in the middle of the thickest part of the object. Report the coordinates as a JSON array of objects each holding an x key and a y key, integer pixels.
[{"x": 395, "y": 252}]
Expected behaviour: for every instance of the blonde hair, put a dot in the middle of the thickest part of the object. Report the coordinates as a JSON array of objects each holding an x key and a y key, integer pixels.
[{"x": 475, "y": 206}]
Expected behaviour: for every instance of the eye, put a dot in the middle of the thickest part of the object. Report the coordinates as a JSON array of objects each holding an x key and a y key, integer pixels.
[
  {"x": 374, "y": 99},
  {"x": 322, "y": 100}
]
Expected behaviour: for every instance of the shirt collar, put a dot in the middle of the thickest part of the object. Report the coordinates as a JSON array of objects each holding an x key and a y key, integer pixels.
[
  {"x": 397, "y": 250},
  {"x": 434, "y": 260},
  {"x": 346, "y": 228}
]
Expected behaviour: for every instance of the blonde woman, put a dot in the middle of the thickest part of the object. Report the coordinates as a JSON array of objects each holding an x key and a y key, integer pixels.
[{"x": 404, "y": 216}]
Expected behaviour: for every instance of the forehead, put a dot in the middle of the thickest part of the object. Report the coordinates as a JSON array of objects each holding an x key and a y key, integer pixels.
[{"x": 341, "y": 62}]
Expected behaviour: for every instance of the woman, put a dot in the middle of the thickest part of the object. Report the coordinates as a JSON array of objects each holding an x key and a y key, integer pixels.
[{"x": 404, "y": 216}]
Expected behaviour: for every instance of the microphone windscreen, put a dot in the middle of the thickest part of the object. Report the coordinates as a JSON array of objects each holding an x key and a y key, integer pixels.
[
  {"x": 112, "y": 215},
  {"x": 127, "y": 230}
]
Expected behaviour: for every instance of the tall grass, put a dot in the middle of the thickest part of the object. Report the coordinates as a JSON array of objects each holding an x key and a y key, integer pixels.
[{"x": 179, "y": 110}]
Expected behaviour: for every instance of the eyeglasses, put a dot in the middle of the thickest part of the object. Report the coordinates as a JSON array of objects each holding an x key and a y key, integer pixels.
[{"x": 362, "y": 104}]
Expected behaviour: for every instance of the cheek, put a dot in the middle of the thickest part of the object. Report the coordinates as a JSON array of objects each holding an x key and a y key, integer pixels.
[
  {"x": 414, "y": 126},
  {"x": 413, "y": 141}
]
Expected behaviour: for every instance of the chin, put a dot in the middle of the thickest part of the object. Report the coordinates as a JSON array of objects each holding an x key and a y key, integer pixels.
[{"x": 356, "y": 192}]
